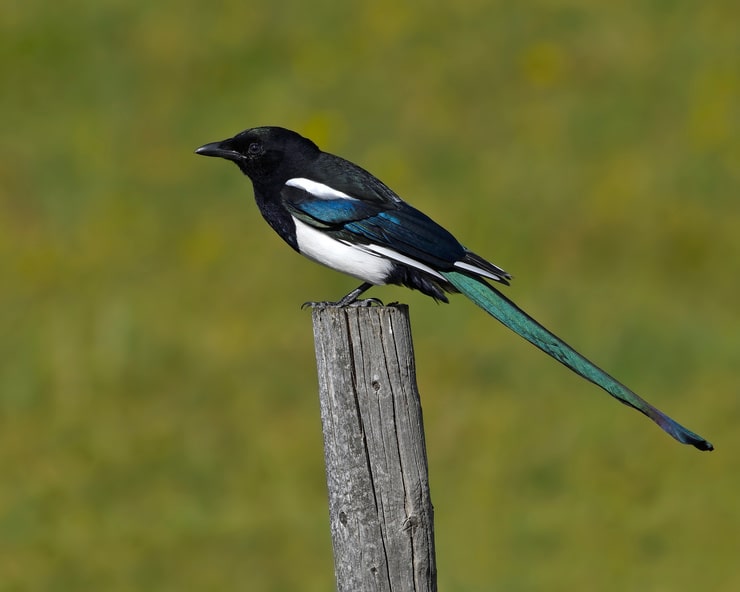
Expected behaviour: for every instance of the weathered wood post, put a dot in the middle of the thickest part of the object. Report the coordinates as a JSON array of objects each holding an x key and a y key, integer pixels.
[{"x": 380, "y": 511}]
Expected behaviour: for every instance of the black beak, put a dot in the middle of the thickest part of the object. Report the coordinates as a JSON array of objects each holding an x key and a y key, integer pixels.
[{"x": 221, "y": 149}]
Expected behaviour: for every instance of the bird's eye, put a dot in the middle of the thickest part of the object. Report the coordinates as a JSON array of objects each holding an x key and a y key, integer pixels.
[{"x": 254, "y": 148}]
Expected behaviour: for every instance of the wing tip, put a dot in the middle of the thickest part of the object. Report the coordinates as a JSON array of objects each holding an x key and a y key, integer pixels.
[{"x": 490, "y": 271}]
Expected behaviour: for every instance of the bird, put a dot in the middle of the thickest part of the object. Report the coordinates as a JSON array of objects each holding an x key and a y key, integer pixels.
[{"x": 338, "y": 214}]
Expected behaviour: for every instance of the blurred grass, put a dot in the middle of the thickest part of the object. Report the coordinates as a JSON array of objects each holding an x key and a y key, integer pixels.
[{"x": 159, "y": 427}]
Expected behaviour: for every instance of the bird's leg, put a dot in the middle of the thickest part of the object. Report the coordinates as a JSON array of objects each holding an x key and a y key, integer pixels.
[{"x": 350, "y": 299}]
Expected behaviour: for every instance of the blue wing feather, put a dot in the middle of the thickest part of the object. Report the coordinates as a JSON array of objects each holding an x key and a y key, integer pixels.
[
  {"x": 394, "y": 225},
  {"x": 412, "y": 234},
  {"x": 334, "y": 212}
]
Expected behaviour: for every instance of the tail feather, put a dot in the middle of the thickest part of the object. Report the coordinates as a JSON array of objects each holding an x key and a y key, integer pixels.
[{"x": 508, "y": 313}]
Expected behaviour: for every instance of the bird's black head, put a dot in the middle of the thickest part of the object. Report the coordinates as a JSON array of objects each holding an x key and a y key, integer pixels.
[{"x": 265, "y": 154}]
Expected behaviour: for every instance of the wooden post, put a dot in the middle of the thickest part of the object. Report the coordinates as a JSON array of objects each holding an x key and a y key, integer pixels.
[{"x": 380, "y": 511}]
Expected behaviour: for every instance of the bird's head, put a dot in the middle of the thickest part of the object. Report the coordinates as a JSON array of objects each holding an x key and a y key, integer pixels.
[{"x": 265, "y": 154}]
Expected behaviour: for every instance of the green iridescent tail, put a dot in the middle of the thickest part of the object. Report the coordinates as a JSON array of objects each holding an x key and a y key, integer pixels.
[{"x": 508, "y": 313}]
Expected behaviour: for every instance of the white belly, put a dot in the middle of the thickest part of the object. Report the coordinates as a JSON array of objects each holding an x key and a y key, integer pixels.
[{"x": 352, "y": 260}]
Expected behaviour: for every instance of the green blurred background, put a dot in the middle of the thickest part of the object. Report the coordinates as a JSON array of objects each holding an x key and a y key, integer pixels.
[{"x": 159, "y": 424}]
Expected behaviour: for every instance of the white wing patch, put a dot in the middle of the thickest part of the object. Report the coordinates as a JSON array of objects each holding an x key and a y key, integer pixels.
[{"x": 318, "y": 190}]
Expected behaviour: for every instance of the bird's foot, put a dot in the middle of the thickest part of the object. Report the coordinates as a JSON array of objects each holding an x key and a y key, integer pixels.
[
  {"x": 365, "y": 302},
  {"x": 350, "y": 299}
]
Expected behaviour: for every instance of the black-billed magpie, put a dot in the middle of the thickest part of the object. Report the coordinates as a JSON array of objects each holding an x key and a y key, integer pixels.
[{"x": 338, "y": 214}]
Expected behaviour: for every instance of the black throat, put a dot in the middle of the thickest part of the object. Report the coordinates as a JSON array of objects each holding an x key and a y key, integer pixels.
[{"x": 275, "y": 213}]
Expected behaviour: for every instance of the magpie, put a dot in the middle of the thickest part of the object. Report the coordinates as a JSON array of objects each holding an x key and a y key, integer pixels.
[{"x": 338, "y": 214}]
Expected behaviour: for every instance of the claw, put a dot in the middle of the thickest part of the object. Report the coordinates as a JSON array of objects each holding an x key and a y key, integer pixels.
[
  {"x": 365, "y": 302},
  {"x": 349, "y": 300}
]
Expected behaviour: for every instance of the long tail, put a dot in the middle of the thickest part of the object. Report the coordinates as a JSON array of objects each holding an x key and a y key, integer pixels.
[{"x": 504, "y": 310}]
